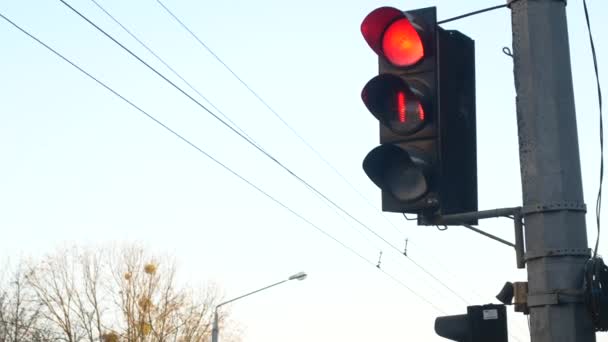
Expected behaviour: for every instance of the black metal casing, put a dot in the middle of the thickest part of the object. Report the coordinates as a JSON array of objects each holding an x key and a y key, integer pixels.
[{"x": 446, "y": 79}]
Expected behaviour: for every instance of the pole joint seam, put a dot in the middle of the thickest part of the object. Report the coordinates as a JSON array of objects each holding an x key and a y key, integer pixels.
[
  {"x": 531, "y": 255},
  {"x": 557, "y": 206}
]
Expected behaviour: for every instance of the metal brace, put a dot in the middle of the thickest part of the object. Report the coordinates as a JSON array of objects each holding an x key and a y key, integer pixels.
[
  {"x": 556, "y": 297},
  {"x": 531, "y": 255},
  {"x": 558, "y": 206}
]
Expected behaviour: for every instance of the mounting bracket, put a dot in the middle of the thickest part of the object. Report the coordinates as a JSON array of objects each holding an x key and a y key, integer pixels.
[{"x": 461, "y": 218}]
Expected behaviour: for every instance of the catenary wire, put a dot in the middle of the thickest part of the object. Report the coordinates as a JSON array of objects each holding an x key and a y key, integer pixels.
[
  {"x": 598, "y": 203},
  {"x": 276, "y": 114},
  {"x": 260, "y": 149},
  {"x": 219, "y": 163},
  {"x": 157, "y": 56},
  {"x": 145, "y": 46},
  {"x": 265, "y": 103}
]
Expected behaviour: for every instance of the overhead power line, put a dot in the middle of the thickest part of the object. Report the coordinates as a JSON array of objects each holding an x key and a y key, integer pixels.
[
  {"x": 216, "y": 161},
  {"x": 157, "y": 56},
  {"x": 292, "y": 173},
  {"x": 318, "y": 154},
  {"x": 277, "y": 115},
  {"x": 173, "y": 70}
]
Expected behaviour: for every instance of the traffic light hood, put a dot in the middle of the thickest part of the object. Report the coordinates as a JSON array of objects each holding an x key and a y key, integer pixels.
[{"x": 374, "y": 25}]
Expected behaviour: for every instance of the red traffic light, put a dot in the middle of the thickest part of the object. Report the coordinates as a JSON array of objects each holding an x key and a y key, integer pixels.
[
  {"x": 394, "y": 104},
  {"x": 401, "y": 44},
  {"x": 391, "y": 35}
]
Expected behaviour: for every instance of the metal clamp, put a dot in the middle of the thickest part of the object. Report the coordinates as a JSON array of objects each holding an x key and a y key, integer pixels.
[
  {"x": 531, "y": 255},
  {"x": 558, "y": 206},
  {"x": 556, "y": 297}
]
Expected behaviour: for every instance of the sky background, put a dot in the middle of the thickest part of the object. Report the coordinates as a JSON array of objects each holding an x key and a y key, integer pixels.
[{"x": 79, "y": 165}]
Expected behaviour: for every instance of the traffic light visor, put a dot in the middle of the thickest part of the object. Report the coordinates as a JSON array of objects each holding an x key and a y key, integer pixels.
[
  {"x": 375, "y": 23},
  {"x": 391, "y": 35},
  {"x": 394, "y": 104},
  {"x": 396, "y": 171}
]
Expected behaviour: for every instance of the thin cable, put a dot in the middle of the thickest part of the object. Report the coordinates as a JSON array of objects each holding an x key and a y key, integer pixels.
[
  {"x": 184, "y": 26},
  {"x": 258, "y": 148},
  {"x": 409, "y": 219},
  {"x": 225, "y": 167},
  {"x": 250, "y": 142},
  {"x": 404, "y": 285},
  {"x": 145, "y": 46},
  {"x": 268, "y": 155},
  {"x": 472, "y": 13},
  {"x": 598, "y": 203},
  {"x": 437, "y": 279},
  {"x": 509, "y": 3},
  {"x": 276, "y": 114},
  {"x": 450, "y": 274},
  {"x": 202, "y": 96}
]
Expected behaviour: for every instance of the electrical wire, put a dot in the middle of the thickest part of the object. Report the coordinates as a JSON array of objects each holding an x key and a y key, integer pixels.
[
  {"x": 265, "y": 103},
  {"x": 292, "y": 173},
  {"x": 477, "y": 12},
  {"x": 202, "y": 96},
  {"x": 184, "y": 26},
  {"x": 471, "y": 13},
  {"x": 265, "y": 153},
  {"x": 276, "y": 114},
  {"x": 598, "y": 203},
  {"x": 156, "y": 55},
  {"x": 596, "y": 273},
  {"x": 450, "y": 274},
  {"x": 216, "y": 161},
  {"x": 153, "y": 53},
  {"x": 409, "y": 219}
]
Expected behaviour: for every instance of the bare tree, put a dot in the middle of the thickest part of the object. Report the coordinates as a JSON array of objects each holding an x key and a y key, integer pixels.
[
  {"x": 20, "y": 318},
  {"x": 154, "y": 308},
  {"x": 112, "y": 295}
]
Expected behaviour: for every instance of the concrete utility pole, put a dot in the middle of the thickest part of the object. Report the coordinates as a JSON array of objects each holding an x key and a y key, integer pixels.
[{"x": 554, "y": 211}]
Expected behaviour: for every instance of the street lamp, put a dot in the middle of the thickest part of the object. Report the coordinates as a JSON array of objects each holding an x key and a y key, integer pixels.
[{"x": 216, "y": 329}]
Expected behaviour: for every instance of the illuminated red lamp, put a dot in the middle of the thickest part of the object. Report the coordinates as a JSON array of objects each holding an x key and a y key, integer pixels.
[{"x": 391, "y": 35}]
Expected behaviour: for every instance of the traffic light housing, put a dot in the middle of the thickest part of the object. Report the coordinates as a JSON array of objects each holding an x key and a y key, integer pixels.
[
  {"x": 424, "y": 100},
  {"x": 481, "y": 323}
]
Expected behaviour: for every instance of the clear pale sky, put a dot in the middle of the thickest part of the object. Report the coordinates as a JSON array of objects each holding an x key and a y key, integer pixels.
[{"x": 79, "y": 165}]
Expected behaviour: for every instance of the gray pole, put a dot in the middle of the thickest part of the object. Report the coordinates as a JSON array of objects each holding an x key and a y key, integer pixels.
[
  {"x": 215, "y": 329},
  {"x": 556, "y": 237}
]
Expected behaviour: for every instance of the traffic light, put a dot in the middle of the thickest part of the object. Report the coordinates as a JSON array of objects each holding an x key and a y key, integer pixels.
[
  {"x": 424, "y": 99},
  {"x": 481, "y": 323}
]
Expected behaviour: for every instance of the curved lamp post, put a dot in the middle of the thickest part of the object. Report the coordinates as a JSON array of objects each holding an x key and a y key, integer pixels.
[{"x": 215, "y": 331}]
